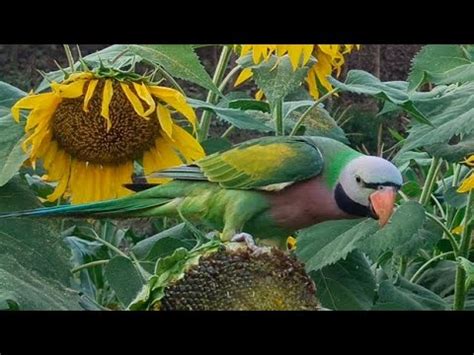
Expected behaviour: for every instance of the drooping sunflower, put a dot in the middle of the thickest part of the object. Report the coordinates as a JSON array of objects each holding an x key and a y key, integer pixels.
[
  {"x": 330, "y": 58},
  {"x": 90, "y": 129}
]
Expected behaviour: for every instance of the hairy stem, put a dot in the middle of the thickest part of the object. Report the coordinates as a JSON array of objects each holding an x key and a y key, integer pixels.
[
  {"x": 430, "y": 180},
  {"x": 91, "y": 264},
  {"x": 278, "y": 117}
]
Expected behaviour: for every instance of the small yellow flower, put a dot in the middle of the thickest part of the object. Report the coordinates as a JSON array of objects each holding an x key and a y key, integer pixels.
[
  {"x": 458, "y": 230},
  {"x": 291, "y": 243},
  {"x": 330, "y": 58},
  {"x": 89, "y": 131}
]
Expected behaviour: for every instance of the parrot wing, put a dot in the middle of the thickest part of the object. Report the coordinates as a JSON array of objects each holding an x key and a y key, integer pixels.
[{"x": 268, "y": 163}]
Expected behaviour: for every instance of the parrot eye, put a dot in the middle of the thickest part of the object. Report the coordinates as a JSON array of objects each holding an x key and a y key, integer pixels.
[{"x": 358, "y": 179}]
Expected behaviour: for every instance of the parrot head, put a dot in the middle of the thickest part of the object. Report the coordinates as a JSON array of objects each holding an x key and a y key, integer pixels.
[{"x": 367, "y": 186}]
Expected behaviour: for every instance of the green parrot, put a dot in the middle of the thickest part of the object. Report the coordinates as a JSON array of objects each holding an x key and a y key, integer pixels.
[{"x": 267, "y": 188}]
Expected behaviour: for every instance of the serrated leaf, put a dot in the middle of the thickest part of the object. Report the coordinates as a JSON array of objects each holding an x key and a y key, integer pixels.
[
  {"x": 451, "y": 112},
  {"x": 346, "y": 285},
  {"x": 124, "y": 279},
  {"x": 396, "y": 92},
  {"x": 404, "y": 295},
  {"x": 11, "y": 134},
  {"x": 441, "y": 64},
  {"x": 439, "y": 278},
  {"x": 468, "y": 267},
  {"x": 407, "y": 220},
  {"x": 178, "y": 60},
  {"x": 326, "y": 243},
  {"x": 277, "y": 78},
  {"x": 238, "y": 118},
  {"x": 34, "y": 263}
]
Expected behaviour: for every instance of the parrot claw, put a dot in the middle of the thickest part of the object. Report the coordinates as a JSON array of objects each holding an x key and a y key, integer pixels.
[{"x": 249, "y": 242}]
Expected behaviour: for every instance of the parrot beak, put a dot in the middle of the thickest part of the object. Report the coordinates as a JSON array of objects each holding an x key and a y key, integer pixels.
[{"x": 382, "y": 203}]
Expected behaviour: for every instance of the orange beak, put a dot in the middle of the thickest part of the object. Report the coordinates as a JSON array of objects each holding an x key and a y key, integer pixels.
[{"x": 382, "y": 203}]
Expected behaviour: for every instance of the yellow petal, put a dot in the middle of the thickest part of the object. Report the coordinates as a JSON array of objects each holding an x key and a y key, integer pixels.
[
  {"x": 69, "y": 91},
  {"x": 134, "y": 100},
  {"x": 281, "y": 49},
  {"x": 323, "y": 70},
  {"x": 165, "y": 154},
  {"x": 186, "y": 144},
  {"x": 246, "y": 48},
  {"x": 469, "y": 161},
  {"x": 40, "y": 101},
  {"x": 312, "y": 85},
  {"x": 244, "y": 75},
  {"x": 259, "y": 95},
  {"x": 106, "y": 99},
  {"x": 124, "y": 177},
  {"x": 89, "y": 94},
  {"x": 164, "y": 117},
  {"x": 307, "y": 51},
  {"x": 467, "y": 185},
  {"x": 145, "y": 95},
  {"x": 61, "y": 187},
  {"x": 291, "y": 243},
  {"x": 294, "y": 52},
  {"x": 176, "y": 100},
  {"x": 78, "y": 76}
]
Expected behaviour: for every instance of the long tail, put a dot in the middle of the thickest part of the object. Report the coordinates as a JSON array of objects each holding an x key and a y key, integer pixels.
[{"x": 142, "y": 204}]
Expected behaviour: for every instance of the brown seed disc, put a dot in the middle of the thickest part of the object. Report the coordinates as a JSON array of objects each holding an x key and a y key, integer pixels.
[{"x": 84, "y": 134}]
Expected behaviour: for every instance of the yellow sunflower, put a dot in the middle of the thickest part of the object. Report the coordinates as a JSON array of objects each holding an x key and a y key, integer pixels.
[
  {"x": 330, "y": 58},
  {"x": 468, "y": 183},
  {"x": 90, "y": 129}
]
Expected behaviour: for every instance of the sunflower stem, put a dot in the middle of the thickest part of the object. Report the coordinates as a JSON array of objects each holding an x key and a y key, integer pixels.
[
  {"x": 170, "y": 79},
  {"x": 430, "y": 180},
  {"x": 227, "y": 131},
  {"x": 460, "y": 289},
  {"x": 303, "y": 116},
  {"x": 211, "y": 96},
  {"x": 426, "y": 265},
  {"x": 88, "y": 265},
  {"x": 70, "y": 58},
  {"x": 278, "y": 117}
]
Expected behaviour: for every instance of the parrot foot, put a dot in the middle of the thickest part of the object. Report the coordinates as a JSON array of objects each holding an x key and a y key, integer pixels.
[{"x": 249, "y": 242}]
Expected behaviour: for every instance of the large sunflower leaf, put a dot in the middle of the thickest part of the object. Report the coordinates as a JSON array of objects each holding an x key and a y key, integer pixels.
[
  {"x": 441, "y": 64},
  {"x": 328, "y": 242},
  {"x": 34, "y": 262},
  {"x": 450, "y": 110},
  {"x": 396, "y": 92},
  {"x": 404, "y": 295},
  {"x": 346, "y": 285},
  {"x": 179, "y": 60},
  {"x": 11, "y": 134}
]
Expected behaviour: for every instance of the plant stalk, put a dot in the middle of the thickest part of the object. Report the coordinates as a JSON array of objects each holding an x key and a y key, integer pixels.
[
  {"x": 88, "y": 265},
  {"x": 211, "y": 96},
  {"x": 460, "y": 290},
  {"x": 278, "y": 117},
  {"x": 430, "y": 181}
]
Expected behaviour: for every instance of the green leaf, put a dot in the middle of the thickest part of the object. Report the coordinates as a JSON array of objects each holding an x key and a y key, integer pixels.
[
  {"x": 440, "y": 278},
  {"x": 346, "y": 285},
  {"x": 214, "y": 145},
  {"x": 361, "y": 82},
  {"x": 8, "y": 302},
  {"x": 325, "y": 243},
  {"x": 11, "y": 134},
  {"x": 249, "y": 104},
  {"x": 277, "y": 78},
  {"x": 441, "y": 64},
  {"x": 124, "y": 279},
  {"x": 454, "y": 198},
  {"x": 318, "y": 122},
  {"x": 451, "y": 112},
  {"x": 468, "y": 266},
  {"x": 407, "y": 220},
  {"x": 178, "y": 60},
  {"x": 404, "y": 295},
  {"x": 238, "y": 118},
  {"x": 411, "y": 188},
  {"x": 164, "y": 243},
  {"x": 452, "y": 152},
  {"x": 34, "y": 263}
]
